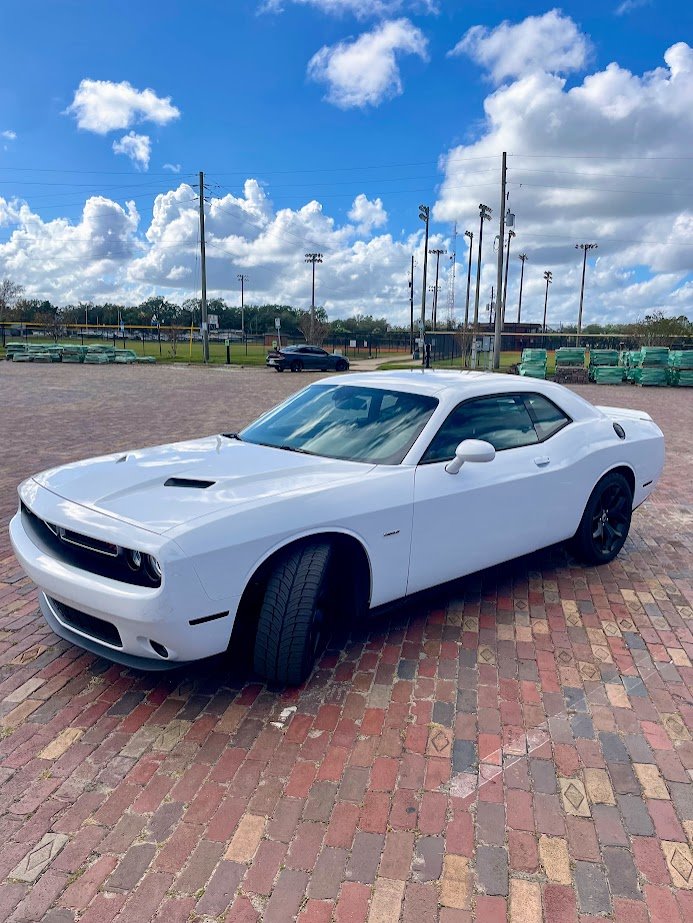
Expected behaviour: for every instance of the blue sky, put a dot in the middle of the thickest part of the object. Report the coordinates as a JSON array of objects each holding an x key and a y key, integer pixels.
[{"x": 315, "y": 101}]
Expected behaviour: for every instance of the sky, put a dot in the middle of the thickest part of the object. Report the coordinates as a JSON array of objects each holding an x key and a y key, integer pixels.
[{"x": 322, "y": 125}]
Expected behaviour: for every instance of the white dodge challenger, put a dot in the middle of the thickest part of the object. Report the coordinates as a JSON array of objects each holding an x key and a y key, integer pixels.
[{"x": 354, "y": 492}]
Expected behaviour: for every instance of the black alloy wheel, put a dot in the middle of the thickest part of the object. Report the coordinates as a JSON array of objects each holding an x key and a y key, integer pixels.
[
  {"x": 297, "y": 366},
  {"x": 605, "y": 523}
]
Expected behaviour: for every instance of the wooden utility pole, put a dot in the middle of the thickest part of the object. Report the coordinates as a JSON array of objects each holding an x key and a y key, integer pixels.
[
  {"x": 498, "y": 329},
  {"x": 203, "y": 268},
  {"x": 523, "y": 257},
  {"x": 411, "y": 307}
]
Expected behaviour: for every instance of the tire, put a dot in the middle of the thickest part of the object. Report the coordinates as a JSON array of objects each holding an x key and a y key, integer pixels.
[
  {"x": 297, "y": 366},
  {"x": 278, "y": 368},
  {"x": 605, "y": 523},
  {"x": 293, "y": 626},
  {"x": 341, "y": 366}
]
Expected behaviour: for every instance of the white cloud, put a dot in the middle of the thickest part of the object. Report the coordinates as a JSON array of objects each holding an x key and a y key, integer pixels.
[
  {"x": 8, "y": 135},
  {"x": 137, "y": 147},
  {"x": 357, "y": 8},
  {"x": 367, "y": 214},
  {"x": 68, "y": 262},
  {"x": 364, "y": 72},
  {"x": 102, "y": 106},
  {"x": 549, "y": 43},
  {"x": 606, "y": 161},
  {"x": 173, "y": 167},
  {"x": 628, "y": 6}
]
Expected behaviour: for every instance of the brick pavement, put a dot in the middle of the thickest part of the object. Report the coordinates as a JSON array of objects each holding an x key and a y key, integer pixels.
[{"x": 517, "y": 746}]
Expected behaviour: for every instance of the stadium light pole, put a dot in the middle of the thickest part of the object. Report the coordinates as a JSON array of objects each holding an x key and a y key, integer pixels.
[
  {"x": 585, "y": 250},
  {"x": 549, "y": 279},
  {"x": 438, "y": 254},
  {"x": 424, "y": 215},
  {"x": 313, "y": 258},
  {"x": 523, "y": 257}
]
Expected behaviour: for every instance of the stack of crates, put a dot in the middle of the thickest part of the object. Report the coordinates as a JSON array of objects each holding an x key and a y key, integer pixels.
[
  {"x": 533, "y": 363},
  {"x": 73, "y": 352},
  {"x": 652, "y": 365},
  {"x": 99, "y": 355},
  {"x": 680, "y": 370},
  {"x": 125, "y": 356},
  {"x": 12, "y": 350},
  {"x": 570, "y": 365},
  {"x": 604, "y": 368}
]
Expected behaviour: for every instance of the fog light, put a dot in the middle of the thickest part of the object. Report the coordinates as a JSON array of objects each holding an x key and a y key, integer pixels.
[{"x": 134, "y": 559}]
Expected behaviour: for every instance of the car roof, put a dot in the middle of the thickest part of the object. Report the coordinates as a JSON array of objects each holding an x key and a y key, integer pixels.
[{"x": 458, "y": 385}]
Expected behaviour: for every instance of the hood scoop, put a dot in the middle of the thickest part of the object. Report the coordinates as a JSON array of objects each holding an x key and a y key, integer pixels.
[{"x": 192, "y": 483}]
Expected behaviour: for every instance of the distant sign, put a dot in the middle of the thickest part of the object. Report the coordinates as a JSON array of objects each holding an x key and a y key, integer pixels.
[
  {"x": 213, "y": 320},
  {"x": 277, "y": 322},
  {"x": 352, "y": 343}
]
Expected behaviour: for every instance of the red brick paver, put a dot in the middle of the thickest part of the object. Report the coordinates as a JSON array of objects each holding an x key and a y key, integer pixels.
[{"x": 517, "y": 746}]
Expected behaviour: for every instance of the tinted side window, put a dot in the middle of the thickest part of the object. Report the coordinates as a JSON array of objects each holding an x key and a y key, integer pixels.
[
  {"x": 548, "y": 419},
  {"x": 502, "y": 420}
]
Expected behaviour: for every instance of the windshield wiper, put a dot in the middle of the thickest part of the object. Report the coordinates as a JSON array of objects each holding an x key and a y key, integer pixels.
[
  {"x": 292, "y": 448},
  {"x": 232, "y": 436}
]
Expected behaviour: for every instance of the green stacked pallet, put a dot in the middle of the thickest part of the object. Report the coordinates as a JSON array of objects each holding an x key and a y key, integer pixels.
[
  {"x": 16, "y": 349},
  {"x": 149, "y": 360},
  {"x": 73, "y": 352},
  {"x": 604, "y": 367},
  {"x": 125, "y": 356},
  {"x": 570, "y": 355},
  {"x": 629, "y": 360},
  {"x": 533, "y": 363},
  {"x": 681, "y": 367},
  {"x": 607, "y": 375},
  {"x": 652, "y": 366},
  {"x": 100, "y": 355}
]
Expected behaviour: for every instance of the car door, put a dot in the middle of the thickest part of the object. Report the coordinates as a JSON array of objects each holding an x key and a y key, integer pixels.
[{"x": 488, "y": 512}]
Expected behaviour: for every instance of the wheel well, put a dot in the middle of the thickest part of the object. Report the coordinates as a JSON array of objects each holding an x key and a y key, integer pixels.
[
  {"x": 350, "y": 557},
  {"x": 627, "y": 474}
]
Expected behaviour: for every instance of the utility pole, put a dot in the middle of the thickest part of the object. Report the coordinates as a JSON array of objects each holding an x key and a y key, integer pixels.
[
  {"x": 484, "y": 215},
  {"x": 511, "y": 234},
  {"x": 523, "y": 257},
  {"x": 435, "y": 289},
  {"x": 499, "y": 276},
  {"x": 549, "y": 279},
  {"x": 203, "y": 268},
  {"x": 585, "y": 250},
  {"x": 313, "y": 258},
  {"x": 411, "y": 307},
  {"x": 242, "y": 278},
  {"x": 424, "y": 215},
  {"x": 470, "y": 235}
]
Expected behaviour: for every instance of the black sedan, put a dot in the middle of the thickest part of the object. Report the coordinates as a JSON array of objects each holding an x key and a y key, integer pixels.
[{"x": 298, "y": 358}]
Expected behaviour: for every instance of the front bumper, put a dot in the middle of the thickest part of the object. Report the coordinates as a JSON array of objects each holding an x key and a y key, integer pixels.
[{"x": 179, "y": 617}]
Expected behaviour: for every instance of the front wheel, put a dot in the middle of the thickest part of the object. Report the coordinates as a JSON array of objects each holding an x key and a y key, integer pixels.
[
  {"x": 278, "y": 368},
  {"x": 293, "y": 624},
  {"x": 296, "y": 365},
  {"x": 605, "y": 523}
]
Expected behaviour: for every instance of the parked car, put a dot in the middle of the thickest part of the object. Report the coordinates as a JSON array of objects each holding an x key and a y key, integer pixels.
[
  {"x": 349, "y": 495},
  {"x": 311, "y": 358}
]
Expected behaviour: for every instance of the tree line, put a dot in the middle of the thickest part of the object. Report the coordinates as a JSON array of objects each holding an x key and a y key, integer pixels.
[{"x": 260, "y": 319}]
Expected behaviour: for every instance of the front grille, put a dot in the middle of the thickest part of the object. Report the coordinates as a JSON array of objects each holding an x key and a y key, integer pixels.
[
  {"x": 89, "y": 554},
  {"x": 98, "y": 629}
]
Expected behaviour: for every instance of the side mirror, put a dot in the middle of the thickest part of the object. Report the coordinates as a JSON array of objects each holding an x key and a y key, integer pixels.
[{"x": 471, "y": 450}]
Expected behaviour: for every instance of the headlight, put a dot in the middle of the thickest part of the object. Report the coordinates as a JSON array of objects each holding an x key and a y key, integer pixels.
[
  {"x": 154, "y": 567},
  {"x": 134, "y": 559}
]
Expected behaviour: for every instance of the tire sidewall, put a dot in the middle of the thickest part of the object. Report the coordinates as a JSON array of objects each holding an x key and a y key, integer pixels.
[{"x": 584, "y": 540}]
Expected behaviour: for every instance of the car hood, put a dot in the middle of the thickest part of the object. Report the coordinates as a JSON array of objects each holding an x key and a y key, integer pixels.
[{"x": 167, "y": 486}]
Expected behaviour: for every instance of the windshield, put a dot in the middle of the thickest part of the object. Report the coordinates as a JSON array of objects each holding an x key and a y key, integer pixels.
[{"x": 346, "y": 422}]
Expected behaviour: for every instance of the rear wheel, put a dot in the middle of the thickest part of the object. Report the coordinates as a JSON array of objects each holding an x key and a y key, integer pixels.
[
  {"x": 341, "y": 366},
  {"x": 297, "y": 366},
  {"x": 605, "y": 523},
  {"x": 293, "y": 625}
]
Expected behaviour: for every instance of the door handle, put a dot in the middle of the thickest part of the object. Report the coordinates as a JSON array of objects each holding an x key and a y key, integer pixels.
[{"x": 541, "y": 461}]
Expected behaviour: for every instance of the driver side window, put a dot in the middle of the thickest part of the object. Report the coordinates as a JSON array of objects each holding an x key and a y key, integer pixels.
[{"x": 501, "y": 420}]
